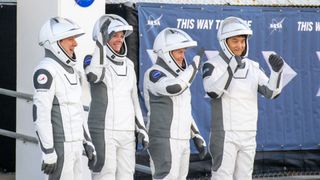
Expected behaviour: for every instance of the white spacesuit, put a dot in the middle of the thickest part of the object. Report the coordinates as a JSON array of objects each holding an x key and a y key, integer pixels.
[
  {"x": 57, "y": 109},
  {"x": 115, "y": 115},
  {"x": 168, "y": 100},
  {"x": 233, "y": 82}
]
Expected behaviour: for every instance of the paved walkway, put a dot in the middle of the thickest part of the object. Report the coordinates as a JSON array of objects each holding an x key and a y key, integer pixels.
[
  {"x": 7, "y": 176},
  {"x": 291, "y": 178}
]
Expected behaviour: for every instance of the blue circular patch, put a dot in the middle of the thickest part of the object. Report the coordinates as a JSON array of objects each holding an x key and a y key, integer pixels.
[
  {"x": 156, "y": 74},
  {"x": 87, "y": 60},
  {"x": 84, "y": 3}
]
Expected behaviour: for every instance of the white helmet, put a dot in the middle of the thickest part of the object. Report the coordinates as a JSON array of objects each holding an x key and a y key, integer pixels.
[
  {"x": 103, "y": 30},
  {"x": 56, "y": 29},
  {"x": 229, "y": 27},
  {"x": 171, "y": 39}
]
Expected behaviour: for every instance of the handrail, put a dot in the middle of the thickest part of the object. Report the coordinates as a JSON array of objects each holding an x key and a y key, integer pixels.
[
  {"x": 15, "y": 135},
  {"x": 143, "y": 169},
  {"x": 12, "y": 93},
  {"x": 28, "y": 97},
  {"x": 8, "y": 2}
]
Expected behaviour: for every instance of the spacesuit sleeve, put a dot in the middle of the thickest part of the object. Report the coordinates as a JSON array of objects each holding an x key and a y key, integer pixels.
[
  {"x": 139, "y": 118},
  {"x": 270, "y": 87},
  {"x": 161, "y": 84},
  {"x": 194, "y": 128},
  {"x": 216, "y": 80},
  {"x": 44, "y": 86},
  {"x": 86, "y": 133},
  {"x": 94, "y": 68}
]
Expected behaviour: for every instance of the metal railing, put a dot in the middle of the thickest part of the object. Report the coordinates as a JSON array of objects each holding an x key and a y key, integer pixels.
[
  {"x": 26, "y": 138},
  {"x": 15, "y": 94},
  {"x": 11, "y": 134},
  {"x": 19, "y": 136}
]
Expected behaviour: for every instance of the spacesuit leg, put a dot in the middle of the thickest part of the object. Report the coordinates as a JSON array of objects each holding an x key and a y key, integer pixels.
[
  {"x": 245, "y": 159},
  {"x": 172, "y": 162},
  {"x": 69, "y": 161},
  {"x": 108, "y": 170},
  {"x": 126, "y": 155},
  {"x": 78, "y": 153},
  {"x": 224, "y": 153},
  {"x": 176, "y": 158},
  {"x": 184, "y": 161},
  {"x": 160, "y": 157}
]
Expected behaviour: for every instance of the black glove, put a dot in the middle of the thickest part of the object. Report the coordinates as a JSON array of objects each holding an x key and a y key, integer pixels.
[
  {"x": 143, "y": 139},
  {"x": 276, "y": 62},
  {"x": 49, "y": 162},
  {"x": 91, "y": 154},
  {"x": 48, "y": 168},
  {"x": 200, "y": 145},
  {"x": 104, "y": 31},
  {"x": 200, "y": 52}
]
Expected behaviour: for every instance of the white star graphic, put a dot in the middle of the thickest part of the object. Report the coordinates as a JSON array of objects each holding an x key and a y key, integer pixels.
[
  {"x": 153, "y": 56},
  {"x": 288, "y": 73}
]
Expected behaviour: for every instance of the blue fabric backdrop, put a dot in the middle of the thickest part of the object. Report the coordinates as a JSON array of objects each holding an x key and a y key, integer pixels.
[{"x": 290, "y": 122}]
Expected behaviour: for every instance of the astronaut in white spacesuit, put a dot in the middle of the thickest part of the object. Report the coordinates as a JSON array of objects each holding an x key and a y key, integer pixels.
[
  {"x": 115, "y": 117},
  {"x": 168, "y": 101},
  {"x": 233, "y": 82},
  {"x": 57, "y": 109}
]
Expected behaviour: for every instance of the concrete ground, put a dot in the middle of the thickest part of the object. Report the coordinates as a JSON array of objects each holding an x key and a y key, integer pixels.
[
  {"x": 311, "y": 177},
  {"x": 7, "y": 176},
  {"x": 292, "y": 178}
]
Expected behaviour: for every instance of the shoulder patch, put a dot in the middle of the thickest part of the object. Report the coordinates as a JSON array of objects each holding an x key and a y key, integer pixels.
[
  {"x": 155, "y": 75},
  {"x": 87, "y": 60},
  {"x": 42, "y": 79},
  {"x": 207, "y": 70}
]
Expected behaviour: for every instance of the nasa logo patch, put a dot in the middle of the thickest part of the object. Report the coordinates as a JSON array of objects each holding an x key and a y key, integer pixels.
[{"x": 156, "y": 74}]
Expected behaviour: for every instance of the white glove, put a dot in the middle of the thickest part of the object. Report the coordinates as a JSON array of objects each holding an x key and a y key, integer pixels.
[{"x": 197, "y": 58}]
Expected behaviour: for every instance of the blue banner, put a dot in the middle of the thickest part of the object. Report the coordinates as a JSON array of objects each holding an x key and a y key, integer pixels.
[{"x": 290, "y": 122}]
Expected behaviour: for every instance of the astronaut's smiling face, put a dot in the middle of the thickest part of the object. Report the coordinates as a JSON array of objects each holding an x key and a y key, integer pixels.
[
  {"x": 116, "y": 41},
  {"x": 237, "y": 44},
  {"x": 178, "y": 55},
  {"x": 68, "y": 45}
]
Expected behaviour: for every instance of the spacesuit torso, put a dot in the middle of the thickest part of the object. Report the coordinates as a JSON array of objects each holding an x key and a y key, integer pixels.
[
  {"x": 120, "y": 80},
  {"x": 57, "y": 102},
  {"x": 115, "y": 92},
  {"x": 169, "y": 114},
  {"x": 115, "y": 115},
  {"x": 236, "y": 107}
]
